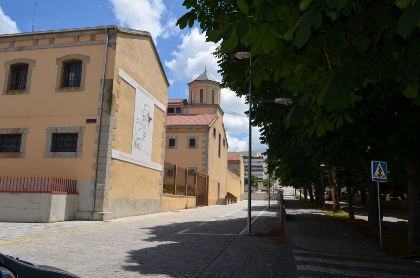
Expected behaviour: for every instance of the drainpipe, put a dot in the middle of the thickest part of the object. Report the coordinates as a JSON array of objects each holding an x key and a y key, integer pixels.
[{"x": 100, "y": 128}]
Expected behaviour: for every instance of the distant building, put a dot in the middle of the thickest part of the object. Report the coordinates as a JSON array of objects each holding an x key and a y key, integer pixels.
[
  {"x": 236, "y": 166},
  {"x": 258, "y": 167},
  {"x": 196, "y": 137},
  {"x": 59, "y": 159}
]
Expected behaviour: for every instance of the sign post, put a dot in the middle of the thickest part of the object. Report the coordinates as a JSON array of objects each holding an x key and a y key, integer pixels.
[{"x": 379, "y": 174}]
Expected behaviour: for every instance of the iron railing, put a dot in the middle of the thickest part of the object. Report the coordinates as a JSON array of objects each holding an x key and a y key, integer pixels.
[{"x": 37, "y": 184}]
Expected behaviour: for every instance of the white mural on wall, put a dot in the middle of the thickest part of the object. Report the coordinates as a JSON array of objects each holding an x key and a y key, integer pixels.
[{"x": 141, "y": 149}]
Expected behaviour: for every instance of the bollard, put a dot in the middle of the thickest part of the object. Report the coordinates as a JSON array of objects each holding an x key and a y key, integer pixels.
[{"x": 282, "y": 209}]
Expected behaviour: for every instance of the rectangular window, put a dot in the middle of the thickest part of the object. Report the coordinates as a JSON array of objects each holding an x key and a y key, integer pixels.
[
  {"x": 171, "y": 142},
  {"x": 192, "y": 171},
  {"x": 212, "y": 96},
  {"x": 224, "y": 142},
  {"x": 170, "y": 173},
  {"x": 178, "y": 110},
  {"x": 18, "y": 76},
  {"x": 72, "y": 74},
  {"x": 10, "y": 143},
  {"x": 201, "y": 95},
  {"x": 171, "y": 110},
  {"x": 220, "y": 143},
  {"x": 192, "y": 142},
  {"x": 214, "y": 132},
  {"x": 64, "y": 142}
]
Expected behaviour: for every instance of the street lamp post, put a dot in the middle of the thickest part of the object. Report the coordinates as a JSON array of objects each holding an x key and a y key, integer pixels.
[
  {"x": 285, "y": 101},
  {"x": 247, "y": 55},
  {"x": 322, "y": 166}
]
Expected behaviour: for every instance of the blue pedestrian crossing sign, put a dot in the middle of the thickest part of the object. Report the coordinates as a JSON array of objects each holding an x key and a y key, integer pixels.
[{"x": 379, "y": 173}]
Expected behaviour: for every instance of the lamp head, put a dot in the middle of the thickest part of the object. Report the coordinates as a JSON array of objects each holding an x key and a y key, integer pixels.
[
  {"x": 243, "y": 55},
  {"x": 285, "y": 101}
]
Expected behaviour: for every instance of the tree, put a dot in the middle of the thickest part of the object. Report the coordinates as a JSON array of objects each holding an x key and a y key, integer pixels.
[
  {"x": 350, "y": 65},
  {"x": 254, "y": 179},
  {"x": 268, "y": 182}
]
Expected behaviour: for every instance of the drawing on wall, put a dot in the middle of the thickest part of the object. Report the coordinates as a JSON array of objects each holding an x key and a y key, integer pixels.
[
  {"x": 144, "y": 109},
  {"x": 142, "y": 129},
  {"x": 143, "y": 126}
]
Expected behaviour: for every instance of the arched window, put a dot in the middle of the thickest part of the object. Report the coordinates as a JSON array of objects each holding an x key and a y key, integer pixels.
[
  {"x": 18, "y": 76},
  {"x": 72, "y": 73}
]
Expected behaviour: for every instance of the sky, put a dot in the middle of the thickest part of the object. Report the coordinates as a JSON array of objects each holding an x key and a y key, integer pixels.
[{"x": 184, "y": 53}]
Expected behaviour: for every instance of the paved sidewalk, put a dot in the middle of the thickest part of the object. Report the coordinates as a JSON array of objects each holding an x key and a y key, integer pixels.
[{"x": 324, "y": 247}]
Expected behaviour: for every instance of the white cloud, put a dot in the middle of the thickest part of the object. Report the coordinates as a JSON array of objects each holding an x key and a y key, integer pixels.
[
  {"x": 190, "y": 59},
  {"x": 237, "y": 144},
  {"x": 142, "y": 15},
  {"x": 7, "y": 25},
  {"x": 170, "y": 28},
  {"x": 192, "y": 56}
]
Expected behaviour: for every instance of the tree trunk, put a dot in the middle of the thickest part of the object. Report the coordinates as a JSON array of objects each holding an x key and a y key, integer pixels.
[
  {"x": 413, "y": 205},
  {"x": 311, "y": 194},
  {"x": 350, "y": 203},
  {"x": 363, "y": 195},
  {"x": 373, "y": 219},
  {"x": 333, "y": 186},
  {"x": 316, "y": 195}
]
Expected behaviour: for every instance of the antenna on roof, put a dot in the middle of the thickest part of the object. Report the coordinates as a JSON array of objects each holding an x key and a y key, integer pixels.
[{"x": 33, "y": 19}]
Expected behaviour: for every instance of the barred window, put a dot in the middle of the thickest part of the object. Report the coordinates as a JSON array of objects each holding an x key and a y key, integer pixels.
[
  {"x": 192, "y": 142},
  {"x": 64, "y": 142},
  {"x": 72, "y": 73},
  {"x": 171, "y": 142},
  {"x": 10, "y": 143},
  {"x": 18, "y": 76}
]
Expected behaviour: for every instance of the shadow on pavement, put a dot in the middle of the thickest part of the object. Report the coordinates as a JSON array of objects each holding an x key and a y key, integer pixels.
[{"x": 212, "y": 248}]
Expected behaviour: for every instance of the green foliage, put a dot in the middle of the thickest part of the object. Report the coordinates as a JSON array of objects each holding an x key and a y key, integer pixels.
[
  {"x": 352, "y": 68},
  {"x": 254, "y": 179},
  {"x": 268, "y": 182}
]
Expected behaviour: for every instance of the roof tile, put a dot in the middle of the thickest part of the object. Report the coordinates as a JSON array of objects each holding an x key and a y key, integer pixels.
[{"x": 188, "y": 119}]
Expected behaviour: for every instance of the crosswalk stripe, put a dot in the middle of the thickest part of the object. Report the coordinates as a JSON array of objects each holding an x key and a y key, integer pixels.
[
  {"x": 336, "y": 271},
  {"x": 351, "y": 263}
]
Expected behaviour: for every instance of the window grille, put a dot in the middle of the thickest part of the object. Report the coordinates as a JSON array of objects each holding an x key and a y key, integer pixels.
[
  {"x": 171, "y": 110},
  {"x": 192, "y": 142},
  {"x": 171, "y": 142},
  {"x": 10, "y": 143},
  {"x": 18, "y": 76},
  {"x": 64, "y": 142},
  {"x": 178, "y": 110},
  {"x": 170, "y": 173},
  {"x": 72, "y": 73}
]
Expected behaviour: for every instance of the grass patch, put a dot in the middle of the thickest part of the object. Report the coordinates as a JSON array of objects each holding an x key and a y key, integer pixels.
[{"x": 395, "y": 243}]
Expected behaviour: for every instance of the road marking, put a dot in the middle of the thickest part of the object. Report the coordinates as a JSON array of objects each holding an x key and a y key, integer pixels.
[
  {"x": 253, "y": 220},
  {"x": 183, "y": 231},
  {"x": 207, "y": 234}
]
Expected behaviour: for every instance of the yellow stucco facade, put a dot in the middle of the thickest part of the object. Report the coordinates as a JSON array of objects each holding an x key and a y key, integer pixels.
[
  {"x": 201, "y": 120},
  {"x": 125, "y": 176}
]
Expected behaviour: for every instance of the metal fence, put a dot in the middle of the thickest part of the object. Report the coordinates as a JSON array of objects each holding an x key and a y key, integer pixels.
[
  {"x": 37, "y": 184},
  {"x": 188, "y": 183}
]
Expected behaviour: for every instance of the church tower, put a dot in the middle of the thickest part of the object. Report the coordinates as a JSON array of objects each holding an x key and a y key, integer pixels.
[{"x": 204, "y": 90}]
